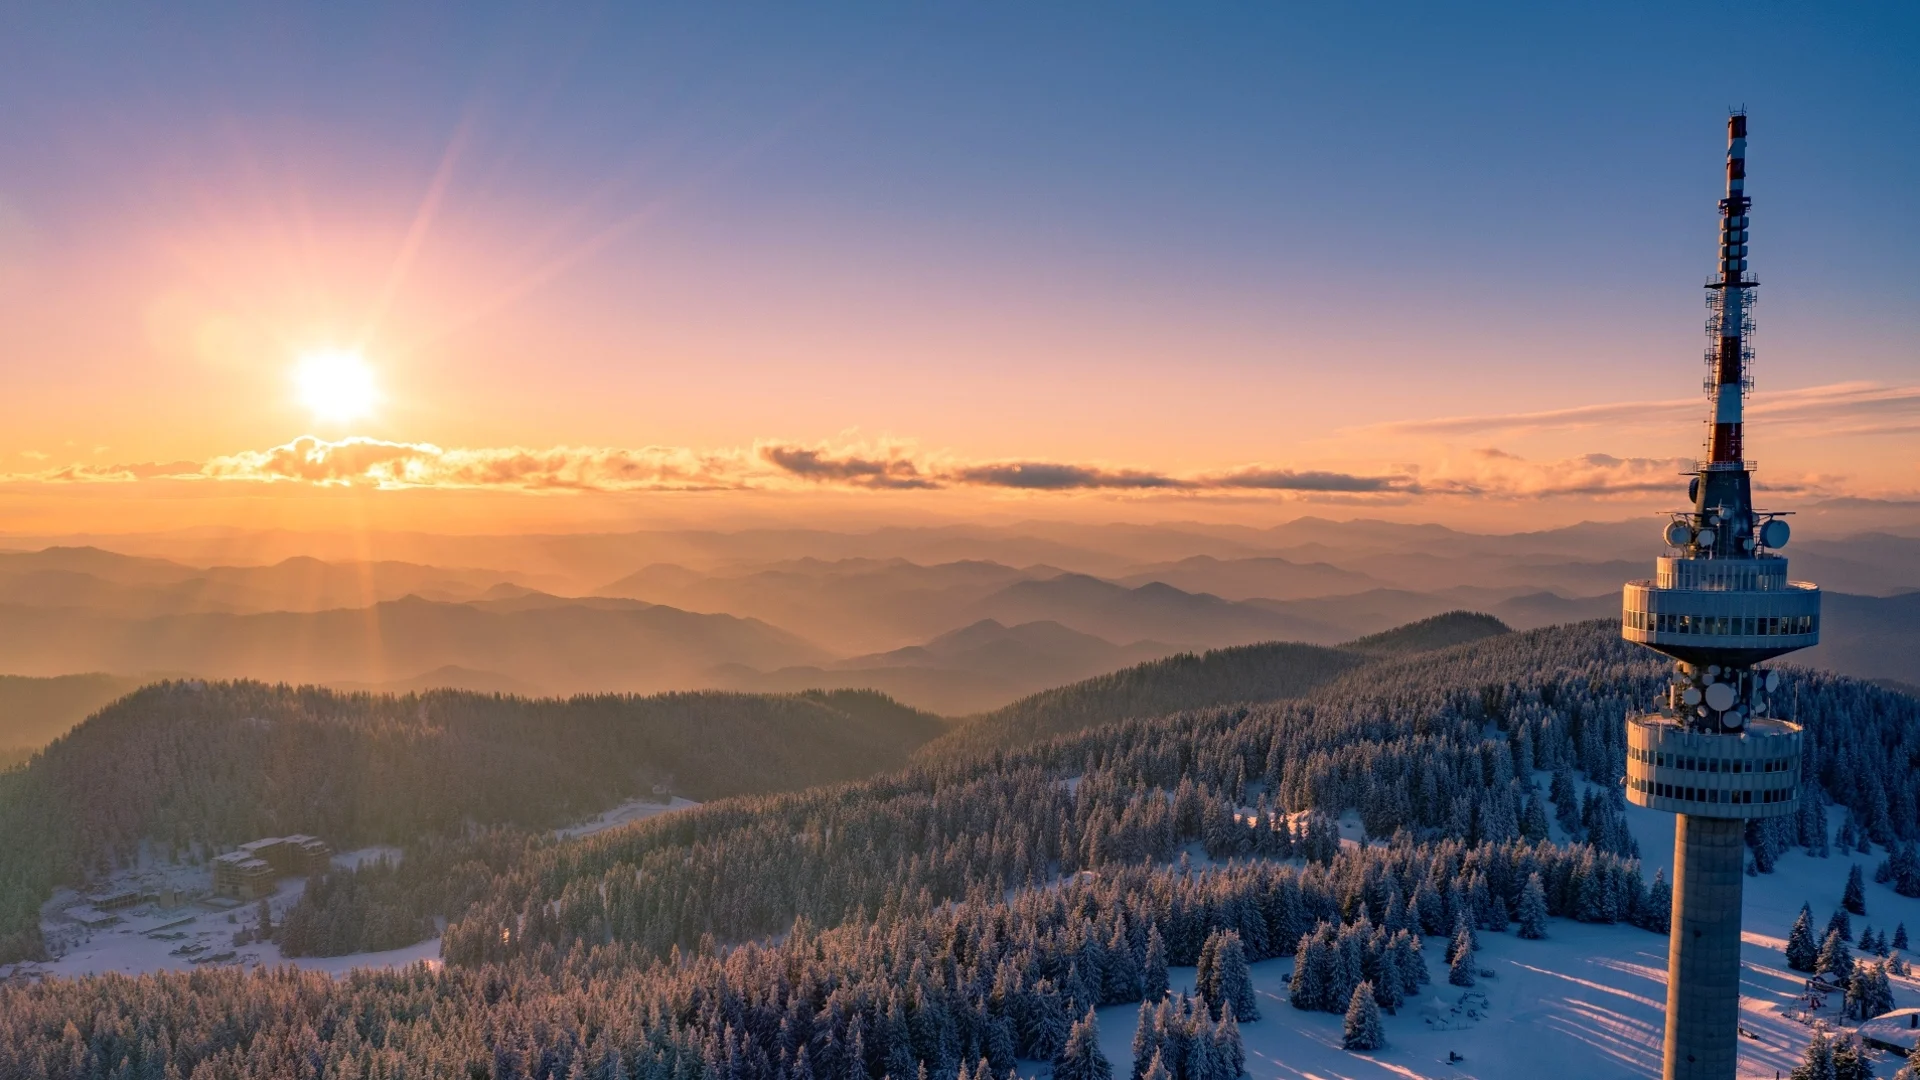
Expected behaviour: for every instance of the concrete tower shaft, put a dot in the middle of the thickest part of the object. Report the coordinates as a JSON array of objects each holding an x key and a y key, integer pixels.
[{"x": 1717, "y": 752}]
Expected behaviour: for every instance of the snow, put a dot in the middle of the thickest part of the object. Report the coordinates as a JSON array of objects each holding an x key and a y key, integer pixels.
[
  {"x": 625, "y": 814},
  {"x": 152, "y": 938},
  {"x": 1587, "y": 1001}
]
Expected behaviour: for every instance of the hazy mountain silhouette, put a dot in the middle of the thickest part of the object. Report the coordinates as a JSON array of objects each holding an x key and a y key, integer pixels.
[
  {"x": 570, "y": 647},
  {"x": 972, "y": 669},
  {"x": 1152, "y": 611},
  {"x": 1267, "y": 577}
]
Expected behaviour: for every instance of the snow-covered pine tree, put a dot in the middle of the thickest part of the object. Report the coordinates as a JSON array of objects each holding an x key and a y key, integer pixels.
[
  {"x": 1307, "y": 986},
  {"x": 1566, "y": 803},
  {"x": 1363, "y": 1029},
  {"x": 1533, "y": 821},
  {"x": 1157, "y": 1070},
  {"x": 1817, "y": 1062},
  {"x": 1854, "y": 899},
  {"x": 1048, "y": 1017},
  {"x": 1850, "y": 1061},
  {"x": 1401, "y": 954},
  {"x": 1080, "y": 1058},
  {"x": 1146, "y": 1044},
  {"x": 1387, "y": 990},
  {"x": 1900, "y": 936},
  {"x": 1802, "y": 953},
  {"x": 1657, "y": 912},
  {"x": 1836, "y": 960},
  {"x": 1232, "y": 981},
  {"x": 1460, "y": 970},
  {"x": 1229, "y": 1053},
  {"x": 1122, "y": 976},
  {"x": 1811, "y": 824},
  {"x": 1153, "y": 974},
  {"x": 1840, "y": 922},
  {"x": 1533, "y": 909}
]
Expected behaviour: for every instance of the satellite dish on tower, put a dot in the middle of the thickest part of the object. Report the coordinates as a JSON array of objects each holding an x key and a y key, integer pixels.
[
  {"x": 1775, "y": 533},
  {"x": 1677, "y": 534},
  {"x": 1720, "y": 696}
]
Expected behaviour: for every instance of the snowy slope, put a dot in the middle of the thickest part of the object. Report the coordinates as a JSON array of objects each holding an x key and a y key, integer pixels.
[{"x": 1587, "y": 1002}]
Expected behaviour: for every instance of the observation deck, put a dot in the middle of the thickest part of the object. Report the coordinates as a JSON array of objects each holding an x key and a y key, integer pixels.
[
  {"x": 1727, "y": 611},
  {"x": 1754, "y": 773}
]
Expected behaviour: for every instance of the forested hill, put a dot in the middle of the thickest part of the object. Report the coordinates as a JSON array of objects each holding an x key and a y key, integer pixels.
[
  {"x": 1439, "y": 632},
  {"x": 1265, "y": 672},
  {"x": 188, "y": 764},
  {"x": 35, "y": 711},
  {"x": 1272, "y": 671}
]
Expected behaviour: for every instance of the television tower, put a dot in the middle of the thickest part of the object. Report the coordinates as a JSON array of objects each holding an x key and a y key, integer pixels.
[{"x": 1719, "y": 754}]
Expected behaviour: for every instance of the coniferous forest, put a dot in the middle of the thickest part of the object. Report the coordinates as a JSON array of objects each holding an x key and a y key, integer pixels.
[{"x": 941, "y": 919}]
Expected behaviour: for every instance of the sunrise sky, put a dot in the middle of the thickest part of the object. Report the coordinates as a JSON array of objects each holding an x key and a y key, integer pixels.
[{"x": 1243, "y": 262}]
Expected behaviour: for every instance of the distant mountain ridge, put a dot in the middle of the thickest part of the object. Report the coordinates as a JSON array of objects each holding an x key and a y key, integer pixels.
[{"x": 579, "y": 647}]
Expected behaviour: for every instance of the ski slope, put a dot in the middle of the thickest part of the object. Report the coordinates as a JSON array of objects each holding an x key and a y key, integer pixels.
[{"x": 1587, "y": 1002}]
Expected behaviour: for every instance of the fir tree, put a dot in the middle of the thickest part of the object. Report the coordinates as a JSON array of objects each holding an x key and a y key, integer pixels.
[
  {"x": 1387, "y": 990},
  {"x": 1817, "y": 1062},
  {"x": 1206, "y": 971},
  {"x": 1841, "y": 923},
  {"x": 1080, "y": 1058},
  {"x": 1850, "y": 1061},
  {"x": 1223, "y": 976},
  {"x": 1900, "y": 937},
  {"x": 1363, "y": 1029},
  {"x": 1854, "y": 899},
  {"x": 1533, "y": 909},
  {"x": 1836, "y": 960},
  {"x": 1153, "y": 974},
  {"x": 1533, "y": 821},
  {"x": 1303, "y": 985},
  {"x": 1146, "y": 1048},
  {"x": 1229, "y": 1053},
  {"x": 1157, "y": 1069},
  {"x": 1566, "y": 803},
  {"x": 1657, "y": 912},
  {"x": 1047, "y": 1015},
  {"x": 1460, "y": 969},
  {"x": 1122, "y": 979},
  {"x": 1802, "y": 953}
]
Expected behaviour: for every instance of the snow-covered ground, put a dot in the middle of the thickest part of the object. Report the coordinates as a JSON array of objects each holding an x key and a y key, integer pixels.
[
  {"x": 625, "y": 814},
  {"x": 1587, "y": 1002},
  {"x": 149, "y": 937}
]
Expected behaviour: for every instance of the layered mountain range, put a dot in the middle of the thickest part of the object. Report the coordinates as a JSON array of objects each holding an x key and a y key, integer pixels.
[{"x": 953, "y": 619}]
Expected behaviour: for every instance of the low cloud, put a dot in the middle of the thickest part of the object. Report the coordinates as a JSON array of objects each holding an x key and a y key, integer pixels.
[
  {"x": 888, "y": 469},
  {"x": 1485, "y": 473},
  {"x": 1287, "y": 480},
  {"x": 1056, "y": 476},
  {"x": 381, "y": 464}
]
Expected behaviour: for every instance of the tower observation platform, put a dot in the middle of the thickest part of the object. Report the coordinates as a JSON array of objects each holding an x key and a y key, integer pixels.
[{"x": 1718, "y": 751}]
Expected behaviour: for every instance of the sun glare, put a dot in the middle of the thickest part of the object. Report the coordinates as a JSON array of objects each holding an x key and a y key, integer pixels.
[{"x": 336, "y": 385}]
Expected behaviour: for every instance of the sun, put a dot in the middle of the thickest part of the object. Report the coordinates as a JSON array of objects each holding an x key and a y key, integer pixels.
[{"x": 336, "y": 385}]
